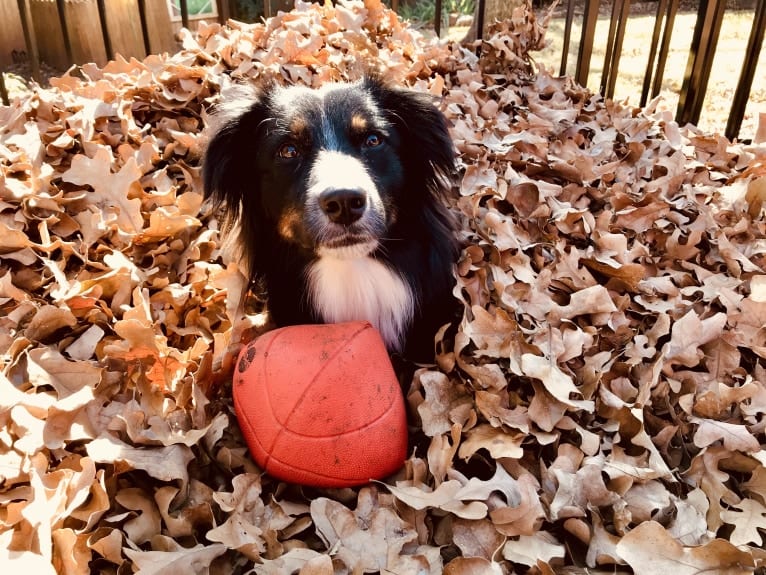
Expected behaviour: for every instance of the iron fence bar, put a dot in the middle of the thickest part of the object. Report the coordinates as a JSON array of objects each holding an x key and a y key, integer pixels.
[
  {"x": 105, "y": 30},
  {"x": 586, "y": 42},
  {"x": 659, "y": 18},
  {"x": 616, "y": 34},
  {"x": 701, "y": 53},
  {"x": 267, "y": 9},
  {"x": 61, "y": 7},
  {"x": 144, "y": 26},
  {"x": 480, "y": 19},
  {"x": 3, "y": 90},
  {"x": 567, "y": 37},
  {"x": 617, "y": 51},
  {"x": 184, "y": 13},
  {"x": 664, "y": 48},
  {"x": 745, "y": 84},
  {"x": 224, "y": 10},
  {"x": 438, "y": 17},
  {"x": 609, "y": 49},
  {"x": 29, "y": 39}
]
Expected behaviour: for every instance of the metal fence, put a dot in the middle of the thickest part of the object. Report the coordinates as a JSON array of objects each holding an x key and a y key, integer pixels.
[{"x": 701, "y": 52}]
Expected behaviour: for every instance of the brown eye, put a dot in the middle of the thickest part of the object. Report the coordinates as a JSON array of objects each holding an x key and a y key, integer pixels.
[
  {"x": 373, "y": 140},
  {"x": 288, "y": 151}
]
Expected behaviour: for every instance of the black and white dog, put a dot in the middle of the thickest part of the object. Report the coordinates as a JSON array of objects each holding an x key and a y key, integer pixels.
[{"x": 336, "y": 194}]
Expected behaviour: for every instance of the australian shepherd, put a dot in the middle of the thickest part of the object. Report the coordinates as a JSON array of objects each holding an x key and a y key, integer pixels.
[{"x": 336, "y": 197}]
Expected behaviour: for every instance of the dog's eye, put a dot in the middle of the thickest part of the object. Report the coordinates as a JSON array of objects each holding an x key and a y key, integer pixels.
[
  {"x": 288, "y": 151},
  {"x": 373, "y": 140}
]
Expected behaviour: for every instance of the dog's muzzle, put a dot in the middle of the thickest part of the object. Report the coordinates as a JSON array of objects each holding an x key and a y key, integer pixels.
[
  {"x": 344, "y": 206},
  {"x": 345, "y": 211}
]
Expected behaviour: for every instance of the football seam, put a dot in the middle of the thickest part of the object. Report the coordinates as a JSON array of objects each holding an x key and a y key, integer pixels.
[
  {"x": 311, "y": 383},
  {"x": 328, "y": 361}
]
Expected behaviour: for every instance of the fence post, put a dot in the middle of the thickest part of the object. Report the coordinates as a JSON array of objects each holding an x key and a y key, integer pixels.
[
  {"x": 480, "y": 19},
  {"x": 105, "y": 30},
  {"x": 184, "y": 14},
  {"x": 144, "y": 26},
  {"x": 30, "y": 39},
  {"x": 586, "y": 42},
  {"x": 752, "y": 53},
  {"x": 668, "y": 13},
  {"x": 619, "y": 19},
  {"x": 61, "y": 6},
  {"x": 3, "y": 90},
  {"x": 701, "y": 53},
  {"x": 567, "y": 37},
  {"x": 438, "y": 18}
]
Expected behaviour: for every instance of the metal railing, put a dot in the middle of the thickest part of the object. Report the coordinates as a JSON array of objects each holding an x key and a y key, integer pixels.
[{"x": 691, "y": 97}]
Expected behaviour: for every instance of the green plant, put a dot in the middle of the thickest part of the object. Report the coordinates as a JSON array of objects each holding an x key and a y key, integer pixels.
[
  {"x": 423, "y": 10},
  {"x": 461, "y": 6},
  {"x": 419, "y": 11}
]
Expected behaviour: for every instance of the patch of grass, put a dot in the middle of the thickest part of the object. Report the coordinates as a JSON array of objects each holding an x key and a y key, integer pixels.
[{"x": 724, "y": 76}]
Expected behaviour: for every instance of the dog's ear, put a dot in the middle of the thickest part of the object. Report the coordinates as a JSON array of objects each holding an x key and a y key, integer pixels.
[
  {"x": 226, "y": 173},
  {"x": 426, "y": 144}
]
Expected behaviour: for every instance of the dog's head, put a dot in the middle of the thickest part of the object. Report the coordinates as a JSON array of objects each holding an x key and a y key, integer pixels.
[{"x": 333, "y": 171}]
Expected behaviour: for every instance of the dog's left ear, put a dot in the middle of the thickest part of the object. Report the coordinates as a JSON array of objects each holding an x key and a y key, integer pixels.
[{"x": 426, "y": 143}]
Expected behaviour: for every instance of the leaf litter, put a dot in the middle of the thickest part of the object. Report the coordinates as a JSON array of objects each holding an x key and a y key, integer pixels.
[{"x": 600, "y": 408}]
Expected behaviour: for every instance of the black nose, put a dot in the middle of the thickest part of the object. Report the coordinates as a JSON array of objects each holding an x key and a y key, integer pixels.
[{"x": 343, "y": 206}]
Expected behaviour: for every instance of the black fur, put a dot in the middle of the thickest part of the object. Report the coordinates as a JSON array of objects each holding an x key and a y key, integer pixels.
[{"x": 250, "y": 173}]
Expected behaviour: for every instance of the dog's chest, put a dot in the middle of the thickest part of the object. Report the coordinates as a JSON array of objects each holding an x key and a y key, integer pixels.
[{"x": 362, "y": 289}]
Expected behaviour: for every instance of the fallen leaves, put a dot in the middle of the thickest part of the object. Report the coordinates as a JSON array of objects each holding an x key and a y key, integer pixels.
[{"x": 601, "y": 405}]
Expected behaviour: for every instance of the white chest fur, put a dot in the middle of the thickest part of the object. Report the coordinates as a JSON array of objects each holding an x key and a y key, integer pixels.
[{"x": 362, "y": 288}]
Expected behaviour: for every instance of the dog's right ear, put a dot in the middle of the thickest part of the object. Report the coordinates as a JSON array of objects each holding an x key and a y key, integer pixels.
[{"x": 227, "y": 164}]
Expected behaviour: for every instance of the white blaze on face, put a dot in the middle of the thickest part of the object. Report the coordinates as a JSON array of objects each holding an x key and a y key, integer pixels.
[{"x": 334, "y": 170}]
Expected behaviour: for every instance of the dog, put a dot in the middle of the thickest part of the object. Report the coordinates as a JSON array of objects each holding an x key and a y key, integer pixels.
[{"x": 337, "y": 196}]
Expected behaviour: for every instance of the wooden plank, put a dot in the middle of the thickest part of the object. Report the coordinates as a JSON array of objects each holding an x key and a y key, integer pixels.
[
  {"x": 30, "y": 39},
  {"x": 745, "y": 84},
  {"x": 61, "y": 9},
  {"x": 105, "y": 29},
  {"x": 12, "y": 44}
]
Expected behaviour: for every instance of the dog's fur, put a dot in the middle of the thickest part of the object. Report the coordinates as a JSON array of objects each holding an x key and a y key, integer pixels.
[{"x": 336, "y": 194}]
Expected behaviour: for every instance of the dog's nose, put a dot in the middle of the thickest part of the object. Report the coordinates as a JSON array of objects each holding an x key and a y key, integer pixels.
[{"x": 343, "y": 206}]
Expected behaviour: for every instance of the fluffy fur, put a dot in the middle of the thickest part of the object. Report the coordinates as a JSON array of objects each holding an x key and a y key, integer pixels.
[{"x": 335, "y": 197}]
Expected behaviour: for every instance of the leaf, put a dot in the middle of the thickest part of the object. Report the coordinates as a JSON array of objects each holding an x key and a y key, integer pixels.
[
  {"x": 534, "y": 549},
  {"x": 556, "y": 382},
  {"x": 734, "y": 437},
  {"x": 445, "y": 497},
  {"x": 196, "y": 559},
  {"x": 649, "y": 549},
  {"x": 748, "y": 516}
]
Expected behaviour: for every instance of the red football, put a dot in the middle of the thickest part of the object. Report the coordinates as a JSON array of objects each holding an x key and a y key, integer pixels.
[{"x": 321, "y": 405}]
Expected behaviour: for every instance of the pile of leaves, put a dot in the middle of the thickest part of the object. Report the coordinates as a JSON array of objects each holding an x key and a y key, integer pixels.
[{"x": 602, "y": 405}]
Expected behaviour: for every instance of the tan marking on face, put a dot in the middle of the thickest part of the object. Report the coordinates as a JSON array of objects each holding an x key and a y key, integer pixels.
[
  {"x": 359, "y": 123},
  {"x": 288, "y": 223},
  {"x": 298, "y": 125}
]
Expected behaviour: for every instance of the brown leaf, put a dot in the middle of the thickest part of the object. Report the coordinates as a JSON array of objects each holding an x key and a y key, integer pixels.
[{"x": 649, "y": 549}]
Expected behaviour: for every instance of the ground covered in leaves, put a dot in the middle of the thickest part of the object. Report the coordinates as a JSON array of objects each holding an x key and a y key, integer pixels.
[{"x": 601, "y": 408}]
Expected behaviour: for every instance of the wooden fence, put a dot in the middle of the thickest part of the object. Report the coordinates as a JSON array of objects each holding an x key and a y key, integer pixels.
[{"x": 42, "y": 30}]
